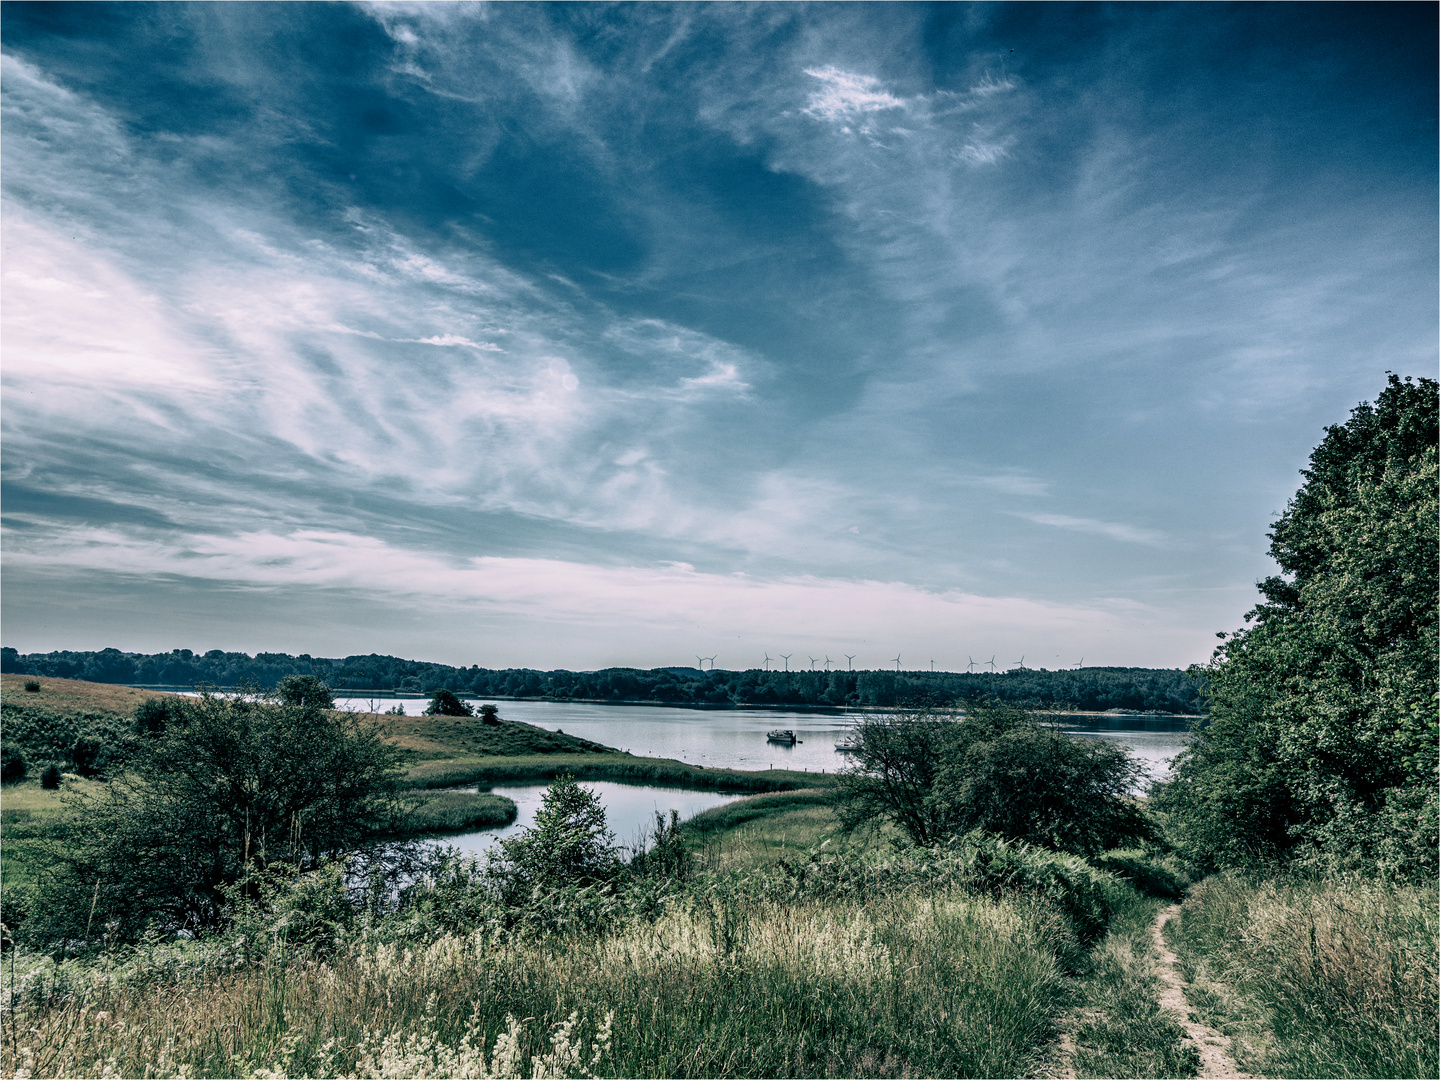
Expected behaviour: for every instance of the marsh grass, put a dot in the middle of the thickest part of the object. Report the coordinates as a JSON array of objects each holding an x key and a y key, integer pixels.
[
  {"x": 621, "y": 768},
  {"x": 945, "y": 984},
  {"x": 1330, "y": 977},
  {"x": 453, "y": 811}
]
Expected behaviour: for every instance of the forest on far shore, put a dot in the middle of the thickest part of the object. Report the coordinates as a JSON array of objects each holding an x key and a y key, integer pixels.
[{"x": 1091, "y": 689}]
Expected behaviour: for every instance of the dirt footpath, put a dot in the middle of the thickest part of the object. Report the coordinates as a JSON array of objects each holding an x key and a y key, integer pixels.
[{"x": 1216, "y": 1058}]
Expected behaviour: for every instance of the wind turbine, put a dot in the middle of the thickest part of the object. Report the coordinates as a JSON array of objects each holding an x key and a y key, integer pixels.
[
  {"x": 767, "y": 661},
  {"x": 970, "y": 669},
  {"x": 1081, "y": 663},
  {"x": 700, "y": 662},
  {"x": 828, "y": 662},
  {"x": 813, "y": 662},
  {"x": 932, "y": 663},
  {"x": 712, "y": 662},
  {"x": 849, "y": 660},
  {"x": 991, "y": 662},
  {"x": 897, "y": 661},
  {"x": 786, "y": 657},
  {"x": 1020, "y": 663}
]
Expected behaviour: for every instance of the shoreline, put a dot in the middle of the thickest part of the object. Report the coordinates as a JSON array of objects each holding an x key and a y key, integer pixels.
[{"x": 822, "y": 710}]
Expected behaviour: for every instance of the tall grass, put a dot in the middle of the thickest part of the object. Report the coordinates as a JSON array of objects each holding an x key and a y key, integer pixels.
[
  {"x": 1122, "y": 1030},
  {"x": 1331, "y": 977},
  {"x": 454, "y": 811},
  {"x": 724, "y": 984}
]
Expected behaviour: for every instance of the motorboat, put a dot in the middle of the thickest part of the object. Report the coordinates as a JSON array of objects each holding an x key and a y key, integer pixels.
[
  {"x": 787, "y": 737},
  {"x": 848, "y": 746}
]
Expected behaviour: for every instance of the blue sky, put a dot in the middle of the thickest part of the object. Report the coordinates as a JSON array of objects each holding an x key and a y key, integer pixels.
[{"x": 578, "y": 335}]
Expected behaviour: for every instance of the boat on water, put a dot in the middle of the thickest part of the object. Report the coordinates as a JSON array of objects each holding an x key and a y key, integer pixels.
[
  {"x": 787, "y": 737},
  {"x": 848, "y": 746}
]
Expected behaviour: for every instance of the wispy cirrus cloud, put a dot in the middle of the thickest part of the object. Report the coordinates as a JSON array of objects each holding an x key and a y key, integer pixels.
[
  {"x": 1128, "y": 534},
  {"x": 816, "y": 292}
]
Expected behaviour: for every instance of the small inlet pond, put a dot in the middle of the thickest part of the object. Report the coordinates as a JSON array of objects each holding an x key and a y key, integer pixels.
[{"x": 629, "y": 811}]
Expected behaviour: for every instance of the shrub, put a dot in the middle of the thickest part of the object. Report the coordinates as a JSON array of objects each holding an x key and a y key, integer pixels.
[
  {"x": 92, "y": 755},
  {"x": 32, "y": 685},
  {"x": 243, "y": 784},
  {"x": 154, "y": 715},
  {"x": 569, "y": 844},
  {"x": 1148, "y": 875},
  {"x": 489, "y": 714},
  {"x": 12, "y": 765},
  {"x": 50, "y": 778},
  {"x": 444, "y": 703},
  {"x": 996, "y": 769},
  {"x": 305, "y": 691}
]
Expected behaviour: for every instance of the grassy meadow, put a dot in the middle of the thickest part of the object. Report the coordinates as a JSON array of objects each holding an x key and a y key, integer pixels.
[
  {"x": 778, "y": 945},
  {"x": 1330, "y": 977}
]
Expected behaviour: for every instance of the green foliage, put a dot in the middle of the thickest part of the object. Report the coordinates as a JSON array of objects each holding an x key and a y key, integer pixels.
[
  {"x": 305, "y": 691},
  {"x": 444, "y": 703},
  {"x": 1148, "y": 874},
  {"x": 665, "y": 853},
  {"x": 153, "y": 715},
  {"x": 995, "y": 769},
  {"x": 243, "y": 782},
  {"x": 568, "y": 845},
  {"x": 490, "y": 714},
  {"x": 1324, "y": 732},
  {"x": 39, "y": 731},
  {"x": 1328, "y": 976},
  {"x": 12, "y": 765},
  {"x": 32, "y": 685},
  {"x": 280, "y": 909},
  {"x": 453, "y": 811},
  {"x": 50, "y": 778}
]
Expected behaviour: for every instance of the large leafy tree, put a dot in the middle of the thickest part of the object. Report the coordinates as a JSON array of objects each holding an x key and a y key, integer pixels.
[
  {"x": 1324, "y": 729},
  {"x": 228, "y": 784},
  {"x": 996, "y": 769}
]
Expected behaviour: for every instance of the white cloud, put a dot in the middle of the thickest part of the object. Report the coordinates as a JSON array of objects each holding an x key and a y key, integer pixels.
[
  {"x": 457, "y": 339},
  {"x": 845, "y": 96},
  {"x": 624, "y": 601},
  {"x": 1129, "y": 534}
]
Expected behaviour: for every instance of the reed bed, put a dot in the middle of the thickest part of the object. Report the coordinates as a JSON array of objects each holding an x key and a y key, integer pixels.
[
  {"x": 1329, "y": 977},
  {"x": 454, "y": 811},
  {"x": 721, "y": 984},
  {"x": 622, "y": 768}
]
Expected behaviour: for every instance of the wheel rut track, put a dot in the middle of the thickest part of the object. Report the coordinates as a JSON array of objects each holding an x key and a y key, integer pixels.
[{"x": 1217, "y": 1058}]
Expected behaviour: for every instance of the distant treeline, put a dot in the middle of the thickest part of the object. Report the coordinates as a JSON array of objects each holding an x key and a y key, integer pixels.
[{"x": 1092, "y": 689}]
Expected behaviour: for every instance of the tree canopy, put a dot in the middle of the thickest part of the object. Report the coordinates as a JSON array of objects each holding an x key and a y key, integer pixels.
[
  {"x": 996, "y": 769},
  {"x": 1323, "y": 733},
  {"x": 231, "y": 782},
  {"x": 1094, "y": 689}
]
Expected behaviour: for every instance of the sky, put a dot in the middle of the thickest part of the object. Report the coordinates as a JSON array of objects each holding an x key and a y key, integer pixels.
[{"x": 590, "y": 335}]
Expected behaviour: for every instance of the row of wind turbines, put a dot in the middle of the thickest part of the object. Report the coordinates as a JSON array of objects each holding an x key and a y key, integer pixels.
[{"x": 701, "y": 661}]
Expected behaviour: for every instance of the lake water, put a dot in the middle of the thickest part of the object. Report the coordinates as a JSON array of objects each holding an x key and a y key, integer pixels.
[
  {"x": 629, "y": 811},
  {"x": 735, "y": 738}
]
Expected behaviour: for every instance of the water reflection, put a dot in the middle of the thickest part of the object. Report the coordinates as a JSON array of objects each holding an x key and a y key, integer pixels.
[
  {"x": 629, "y": 811},
  {"x": 735, "y": 738}
]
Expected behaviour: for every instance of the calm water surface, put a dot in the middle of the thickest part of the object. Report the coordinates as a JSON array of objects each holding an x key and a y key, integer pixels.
[
  {"x": 735, "y": 738},
  {"x": 629, "y": 811}
]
